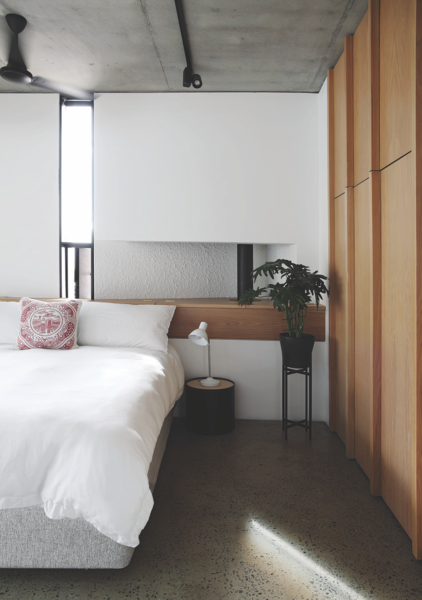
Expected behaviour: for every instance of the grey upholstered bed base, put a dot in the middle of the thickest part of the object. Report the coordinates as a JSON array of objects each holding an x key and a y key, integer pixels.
[{"x": 29, "y": 539}]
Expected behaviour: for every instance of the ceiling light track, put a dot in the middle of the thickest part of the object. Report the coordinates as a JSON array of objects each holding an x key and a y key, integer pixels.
[{"x": 189, "y": 77}]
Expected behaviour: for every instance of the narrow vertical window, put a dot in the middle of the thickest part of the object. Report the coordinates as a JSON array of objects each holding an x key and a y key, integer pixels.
[{"x": 76, "y": 200}]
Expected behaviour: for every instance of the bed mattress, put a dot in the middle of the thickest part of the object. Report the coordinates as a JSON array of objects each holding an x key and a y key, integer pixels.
[
  {"x": 30, "y": 540},
  {"x": 78, "y": 430}
]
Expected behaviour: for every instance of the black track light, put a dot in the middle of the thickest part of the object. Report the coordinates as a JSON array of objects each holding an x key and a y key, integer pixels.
[
  {"x": 187, "y": 77},
  {"x": 196, "y": 81}
]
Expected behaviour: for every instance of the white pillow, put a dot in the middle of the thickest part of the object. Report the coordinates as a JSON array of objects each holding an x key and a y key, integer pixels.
[
  {"x": 127, "y": 325},
  {"x": 10, "y": 316}
]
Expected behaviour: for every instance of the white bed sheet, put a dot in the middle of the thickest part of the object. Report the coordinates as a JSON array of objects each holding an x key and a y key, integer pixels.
[{"x": 78, "y": 430}]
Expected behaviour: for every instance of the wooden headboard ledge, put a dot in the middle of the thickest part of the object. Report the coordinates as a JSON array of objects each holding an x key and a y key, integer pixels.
[{"x": 226, "y": 319}]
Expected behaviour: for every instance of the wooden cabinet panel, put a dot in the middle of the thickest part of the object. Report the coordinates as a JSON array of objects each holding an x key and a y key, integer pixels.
[
  {"x": 363, "y": 345},
  {"x": 398, "y": 336},
  {"x": 366, "y": 94},
  {"x": 340, "y": 126},
  {"x": 417, "y": 411},
  {"x": 343, "y": 119},
  {"x": 362, "y": 101},
  {"x": 376, "y": 322},
  {"x": 375, "y": 332},
  {"x": 397, "y": 78},
  {"x": 341, "y": 345}
]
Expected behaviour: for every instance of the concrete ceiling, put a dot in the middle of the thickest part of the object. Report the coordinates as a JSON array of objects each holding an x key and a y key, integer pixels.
[{"x": 135, "y": 45}]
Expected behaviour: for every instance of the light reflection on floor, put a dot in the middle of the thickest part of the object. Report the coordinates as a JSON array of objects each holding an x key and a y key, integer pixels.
[
  {"x": 248, "y": 516},
  {"x": 295, "y": 561}
]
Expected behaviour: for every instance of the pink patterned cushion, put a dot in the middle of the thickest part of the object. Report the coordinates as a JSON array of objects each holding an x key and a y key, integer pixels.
[{"x": 50, "y": 325}]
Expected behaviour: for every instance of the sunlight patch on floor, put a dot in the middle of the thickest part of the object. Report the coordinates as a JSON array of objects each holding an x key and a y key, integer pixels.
[{"x": 296, "y": 560}]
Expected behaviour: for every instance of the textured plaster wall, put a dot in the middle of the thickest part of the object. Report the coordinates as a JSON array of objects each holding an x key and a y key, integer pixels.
[
  {"x": 164, "y": 270},
  {"x": 174, "y": 270}
]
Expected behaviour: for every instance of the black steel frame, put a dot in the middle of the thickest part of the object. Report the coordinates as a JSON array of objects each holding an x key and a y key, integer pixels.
[
  {"x": 188, "y": 72},
  {"x": 67, "y": 245},
  {"x": 77, "y": 246},
  {"x": 306, "y": 423},
  {"x": 244, "y": 268},
  {"x": 184, "y": 33}
]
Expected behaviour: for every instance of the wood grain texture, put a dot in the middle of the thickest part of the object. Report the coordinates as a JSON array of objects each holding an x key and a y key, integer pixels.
[
  {"x": 241, "y": 323},
  {"x": 417, "y": 408},
  {"x": 374, "y": 50},
  {"x": 397, "y": 79},
  {"x": 331, "y": 250},
  {"x": 363, "y": 342},
  {"x": 368, "y": 329},
  {"x": 375, "y": 332},
  {"x": 350, "y": 318},
  {"x": 362, "y": 100},
  {"x": 196, "y": 384},
  {"x": 343, "y": 119},
  {"x": 348, "y": 52},
  {"x": 366, "y": 94},
  {"x": 226, "y": 319},
  {"x": 338, "y": 347},
  {"x": 398, "y": 336},
  {"x": 340, "y": 126}
]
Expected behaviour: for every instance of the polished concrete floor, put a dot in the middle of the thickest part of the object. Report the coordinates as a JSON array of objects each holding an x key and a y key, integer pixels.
[{"x": 247, "y": 515}]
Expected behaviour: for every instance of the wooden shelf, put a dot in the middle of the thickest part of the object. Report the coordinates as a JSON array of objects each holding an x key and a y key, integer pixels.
[{"x": 227, "y": 320}]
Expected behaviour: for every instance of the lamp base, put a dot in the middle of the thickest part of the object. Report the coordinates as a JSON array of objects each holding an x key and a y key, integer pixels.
[{"x": 210, "y": 382}]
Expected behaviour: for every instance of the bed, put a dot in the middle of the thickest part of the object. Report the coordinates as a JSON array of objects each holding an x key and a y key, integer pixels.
[{"x": 82, "y": 435}]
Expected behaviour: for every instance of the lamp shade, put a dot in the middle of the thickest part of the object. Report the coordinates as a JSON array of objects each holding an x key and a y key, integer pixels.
[{"x": 199, "y": 336}]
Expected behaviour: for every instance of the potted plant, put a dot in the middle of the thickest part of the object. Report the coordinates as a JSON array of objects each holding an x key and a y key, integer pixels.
[{"x": 298, "y": 286}]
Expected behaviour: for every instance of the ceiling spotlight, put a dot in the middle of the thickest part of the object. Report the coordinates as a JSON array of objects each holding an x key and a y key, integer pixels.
[
  {"x": 196, "y": 81},
  {"x": 187, "y": 77}
]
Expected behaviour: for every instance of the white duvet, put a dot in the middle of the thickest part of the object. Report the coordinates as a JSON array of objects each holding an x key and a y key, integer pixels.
[{"x": 78, "y": 430}]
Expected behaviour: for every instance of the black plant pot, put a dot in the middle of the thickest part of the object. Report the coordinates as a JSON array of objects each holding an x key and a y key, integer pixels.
[{"x": 297, "y": 352}]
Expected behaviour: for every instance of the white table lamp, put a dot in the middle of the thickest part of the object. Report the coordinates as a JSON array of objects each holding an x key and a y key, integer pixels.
[{"x": 200, "y": 338}]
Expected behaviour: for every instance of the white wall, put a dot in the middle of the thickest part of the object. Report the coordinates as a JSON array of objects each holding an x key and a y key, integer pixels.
[
  {"x": 29, "y": 195},
  {"x": 255, "y": 367},
  {"x": 277, "y": 189},
  {"x": 270, "y": 154},
  {"x": 226, "y": 167}
]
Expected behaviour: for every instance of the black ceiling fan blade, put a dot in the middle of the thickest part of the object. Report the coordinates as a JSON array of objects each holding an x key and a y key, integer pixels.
[
  {"x": 69, "y": 91},
  {"x": 16, "y": 72}
]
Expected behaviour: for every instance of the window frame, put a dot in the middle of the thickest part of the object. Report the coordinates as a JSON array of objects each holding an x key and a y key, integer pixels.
[{"x": 66, "y": 245}]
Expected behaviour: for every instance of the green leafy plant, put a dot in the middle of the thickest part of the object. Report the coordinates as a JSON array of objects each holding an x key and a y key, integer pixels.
[{"x": 297, "y": 287}]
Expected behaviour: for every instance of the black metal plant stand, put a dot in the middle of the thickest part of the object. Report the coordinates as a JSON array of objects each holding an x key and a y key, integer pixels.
[{"x": 307, "y": 421}]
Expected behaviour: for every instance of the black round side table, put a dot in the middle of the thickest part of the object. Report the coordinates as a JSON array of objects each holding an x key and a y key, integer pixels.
[{"x": 210, "y": 410}]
